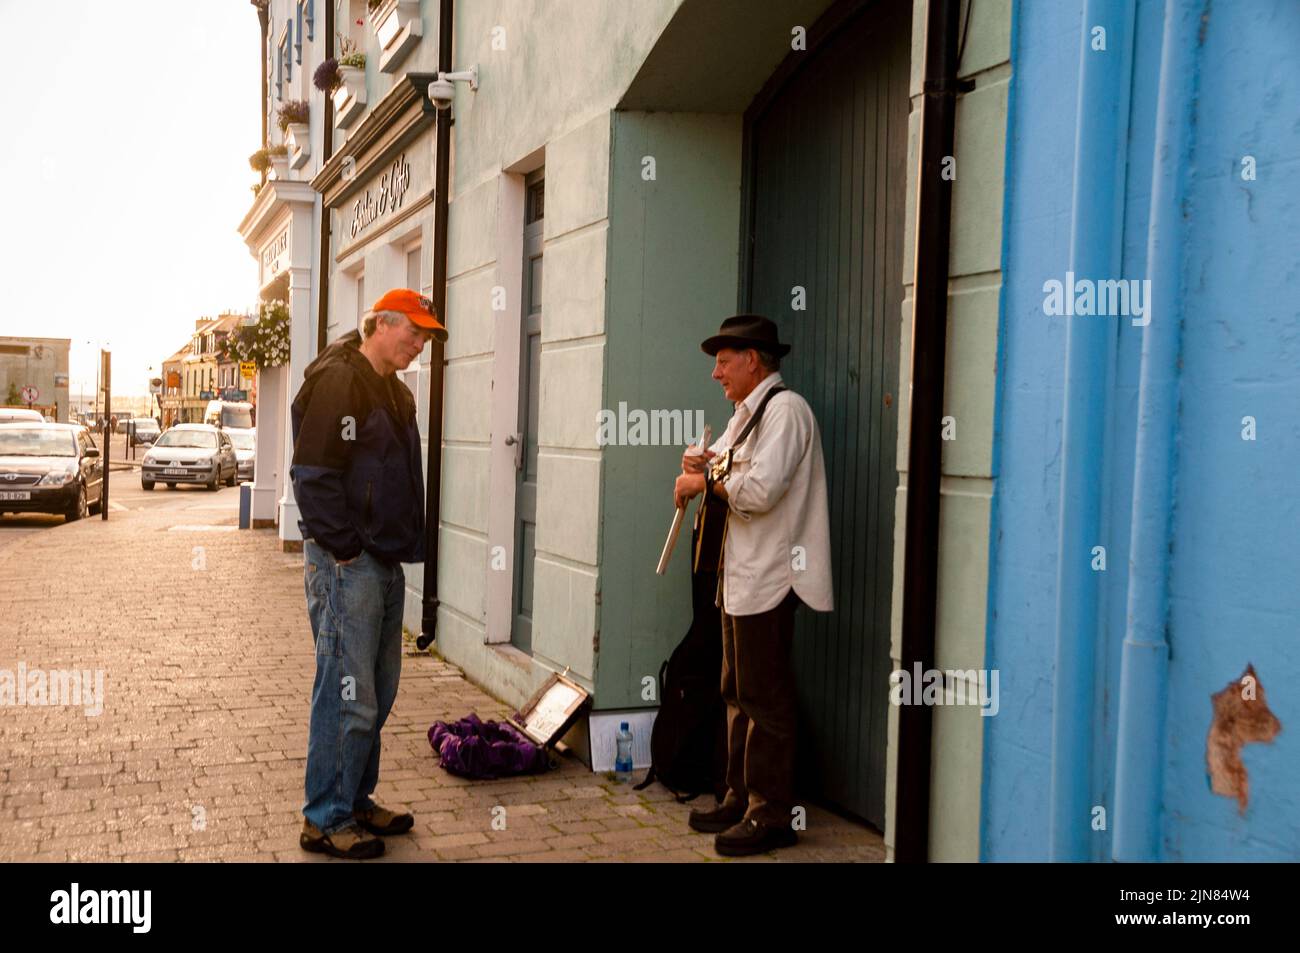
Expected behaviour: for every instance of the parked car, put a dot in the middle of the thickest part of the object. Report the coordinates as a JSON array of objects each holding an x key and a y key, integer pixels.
[
  {"x": 143, "y": 431},
  {"x": 123, "y": 425},
  {"x": 190, "y": 453},
  {"x": 12, "y": 414},
  {"x": 49, "y": 468},
  {"x": 245, "y": 442}
]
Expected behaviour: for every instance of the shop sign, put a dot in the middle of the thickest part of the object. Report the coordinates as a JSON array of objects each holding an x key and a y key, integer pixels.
[
  {"x": 383, "y": 197},
  {"x": 274, "y": 255}
]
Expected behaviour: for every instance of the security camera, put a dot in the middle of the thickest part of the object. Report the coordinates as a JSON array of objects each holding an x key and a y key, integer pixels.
[
  {"x": 443, "y": 89},
  {"x": 441, "y": 92}
]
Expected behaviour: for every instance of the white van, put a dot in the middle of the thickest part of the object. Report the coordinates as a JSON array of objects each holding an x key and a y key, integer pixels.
[{"x": 237, "y": 414}]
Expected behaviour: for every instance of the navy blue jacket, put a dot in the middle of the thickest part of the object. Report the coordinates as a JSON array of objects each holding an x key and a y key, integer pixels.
[{"x": 357, "y": 473}]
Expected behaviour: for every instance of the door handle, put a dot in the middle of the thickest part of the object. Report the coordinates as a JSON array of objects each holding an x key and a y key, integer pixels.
[{"x": 516, "y": 440}]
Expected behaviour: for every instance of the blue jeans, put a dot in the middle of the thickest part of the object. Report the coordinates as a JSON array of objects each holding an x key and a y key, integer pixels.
[{"x": 356, "y": 620}]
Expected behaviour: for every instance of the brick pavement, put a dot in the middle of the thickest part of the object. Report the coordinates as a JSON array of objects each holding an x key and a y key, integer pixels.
[{"x": 208, "y": 661}]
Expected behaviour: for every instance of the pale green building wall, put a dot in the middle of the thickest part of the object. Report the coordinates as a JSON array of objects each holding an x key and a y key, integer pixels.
[
  {"x": 551, "y": 88},
  {"x": 672, "y": 279},
  {"x": 634, "y": 270},
  {"x": 966, "y": 487}
]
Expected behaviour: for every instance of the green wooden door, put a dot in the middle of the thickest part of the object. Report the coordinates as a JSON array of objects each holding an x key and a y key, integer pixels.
[{"x": 827, "y": 163}]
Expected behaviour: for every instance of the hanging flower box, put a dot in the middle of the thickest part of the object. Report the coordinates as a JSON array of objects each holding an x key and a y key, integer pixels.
[
  {"x": 299, "y": 143},
  {"x": 350, "y": 96},
  {"x": 279, "y": 159},
  {"x": 293, "y": 122},
  {"x": 398, "y": 27}
]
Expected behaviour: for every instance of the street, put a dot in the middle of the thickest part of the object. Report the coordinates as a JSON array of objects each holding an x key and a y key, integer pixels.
[
  {"x": 126, "y": 495},
  {"x": 200, "y": 632}
]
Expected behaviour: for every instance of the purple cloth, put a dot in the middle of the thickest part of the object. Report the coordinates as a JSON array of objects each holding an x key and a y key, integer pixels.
[{"x": 485, "y": 750}]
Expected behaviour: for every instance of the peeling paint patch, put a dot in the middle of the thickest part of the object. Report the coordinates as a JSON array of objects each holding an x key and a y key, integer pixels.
[{"x": 1241, "y": 715}]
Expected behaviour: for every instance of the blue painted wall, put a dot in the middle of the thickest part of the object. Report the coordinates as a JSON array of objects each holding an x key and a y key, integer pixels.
[{"x": 1234, "y": 583}]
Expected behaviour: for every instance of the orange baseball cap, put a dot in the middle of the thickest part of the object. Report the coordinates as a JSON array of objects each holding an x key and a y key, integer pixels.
[{"x": 415, "y": 306}]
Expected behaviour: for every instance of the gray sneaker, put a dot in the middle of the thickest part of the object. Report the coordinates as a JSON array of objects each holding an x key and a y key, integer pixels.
[{"x": 350, "y": 843}]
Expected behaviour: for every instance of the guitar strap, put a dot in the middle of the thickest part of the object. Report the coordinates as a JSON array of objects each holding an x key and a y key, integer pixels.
[
  {"x": 758, "y": 415},
  {"x": 714, "y": 503}
]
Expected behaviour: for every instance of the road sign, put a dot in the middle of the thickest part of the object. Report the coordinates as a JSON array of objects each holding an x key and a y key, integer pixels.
[
  {"x": 155, "y": 388},
  {"x": 247, "y": 369},
  {"x": 30, "y": 394}
]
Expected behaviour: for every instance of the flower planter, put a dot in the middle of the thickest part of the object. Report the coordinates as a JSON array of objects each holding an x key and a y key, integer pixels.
[
  {"x": 398, "y": 26},
  {"x": 299, "y": 143},
  {"x": 279, "y": 167},
  {"x": 350, "y": 97}
]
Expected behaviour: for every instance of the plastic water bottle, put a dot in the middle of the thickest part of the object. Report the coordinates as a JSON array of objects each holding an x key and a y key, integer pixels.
[{"x": 623, "y": 761}]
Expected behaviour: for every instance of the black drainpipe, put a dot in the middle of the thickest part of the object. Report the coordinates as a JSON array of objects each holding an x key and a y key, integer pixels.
[
  {"x": 433, "y": 492},
  {"x": 327, "y": 150},
  {"x": 929, "y": 333}
]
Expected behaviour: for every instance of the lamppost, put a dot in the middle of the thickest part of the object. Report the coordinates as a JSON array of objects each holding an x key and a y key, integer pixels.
[
  {"x": 155, "y": 389},
  {"x": 101, "y": 345}
]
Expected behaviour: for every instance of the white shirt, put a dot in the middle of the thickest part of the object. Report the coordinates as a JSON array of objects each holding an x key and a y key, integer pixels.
[{"x": 778, "y": 535}]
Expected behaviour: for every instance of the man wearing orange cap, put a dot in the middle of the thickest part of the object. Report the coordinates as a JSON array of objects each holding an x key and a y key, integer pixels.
[{"x": 359, "y": 483}]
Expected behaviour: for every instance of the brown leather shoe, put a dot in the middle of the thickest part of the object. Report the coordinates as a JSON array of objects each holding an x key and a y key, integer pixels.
[
  {"x": 751, "y": 836},
  {"x": 382, "y": 821},
  {"x": 351, "y": 843},
  {"x": 716, "y": 820}
]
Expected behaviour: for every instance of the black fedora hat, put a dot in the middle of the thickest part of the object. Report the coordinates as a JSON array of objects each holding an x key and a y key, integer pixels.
[{"x": 745, "y": 331}]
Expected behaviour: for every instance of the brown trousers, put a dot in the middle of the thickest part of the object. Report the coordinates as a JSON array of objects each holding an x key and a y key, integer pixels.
[{"x": 759, "y": 689}]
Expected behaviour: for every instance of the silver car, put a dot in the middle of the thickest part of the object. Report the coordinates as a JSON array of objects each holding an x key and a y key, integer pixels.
[
  {"x": 245, "y": 442},
  {"x": 190, "y": 453}
]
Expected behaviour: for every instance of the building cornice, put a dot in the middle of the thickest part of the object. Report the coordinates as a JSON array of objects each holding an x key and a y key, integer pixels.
[
  {"x": 276, "y": 196},
  {"x": 402, "y": 114}
]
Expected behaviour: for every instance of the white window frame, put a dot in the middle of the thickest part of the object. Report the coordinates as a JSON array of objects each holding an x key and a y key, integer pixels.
[
  {"x": 307, "y": 19},
  {"x": 416, "y": 244},
  {"x": 284, "y": 58}
]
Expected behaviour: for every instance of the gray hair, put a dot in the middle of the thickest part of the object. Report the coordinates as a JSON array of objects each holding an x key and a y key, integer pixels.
[
  {"x": 768, "y": 360},
  {"x": 371, "y": 318}
]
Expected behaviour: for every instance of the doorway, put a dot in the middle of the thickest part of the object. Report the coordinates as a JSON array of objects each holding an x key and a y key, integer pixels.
[
  {"x": 530, "y": 352},
  {"x": 826, "y": 166}
]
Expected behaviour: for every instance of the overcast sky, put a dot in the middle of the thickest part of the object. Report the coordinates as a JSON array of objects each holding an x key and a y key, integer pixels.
[{"x": 124, "y": 167}]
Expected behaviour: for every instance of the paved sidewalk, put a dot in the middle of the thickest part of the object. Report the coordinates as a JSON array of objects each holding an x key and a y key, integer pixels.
[{"x": 202, "y": 635}]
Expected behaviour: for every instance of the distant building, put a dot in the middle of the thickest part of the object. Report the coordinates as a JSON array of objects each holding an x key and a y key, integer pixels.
[
  {"x": 38, "y": 363},
  {"x": 173, "y": 371},
  {"x": 230, "y": 386},
  {"x": 206, "y": 374}
]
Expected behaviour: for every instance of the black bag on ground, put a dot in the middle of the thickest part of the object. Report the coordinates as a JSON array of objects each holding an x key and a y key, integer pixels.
[{"x": 688, "y": 744}]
